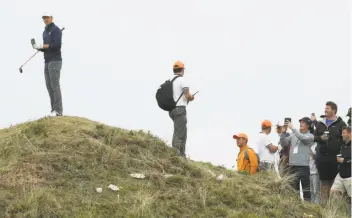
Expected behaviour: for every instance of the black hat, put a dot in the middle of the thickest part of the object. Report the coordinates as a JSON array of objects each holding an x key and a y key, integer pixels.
[
  {"x": 306, "y": 120},
  {"x": 349, "y": 112}
]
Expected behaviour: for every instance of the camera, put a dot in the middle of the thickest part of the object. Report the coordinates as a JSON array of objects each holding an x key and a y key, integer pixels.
[
  {"x": 287, "y": 119},
  {"x": 326, "y": 133}
]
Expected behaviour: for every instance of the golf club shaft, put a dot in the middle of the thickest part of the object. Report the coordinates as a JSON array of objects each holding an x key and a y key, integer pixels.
[
  {"x": 34, "y": 55},
  {"x": 30, "y": 58}
]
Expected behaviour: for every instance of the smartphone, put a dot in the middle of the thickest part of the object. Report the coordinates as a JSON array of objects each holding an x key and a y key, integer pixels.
[
  {"x": 339, "y": 155},
  {"x": 33, "y": 42},
  {"x": 327, "y": 133},
  {"x": 313, "y": 114},
  {"x": 193, "y": 95},
  {"x": 287, "y": 119}
]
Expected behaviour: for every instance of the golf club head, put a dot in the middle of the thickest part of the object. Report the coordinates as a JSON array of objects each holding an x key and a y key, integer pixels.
[{"x": 21, "y": 70}]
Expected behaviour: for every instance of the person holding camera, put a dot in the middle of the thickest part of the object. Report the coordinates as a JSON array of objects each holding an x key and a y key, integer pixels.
[
  {"x": 328, "y": 135},
  {"x": 301, "y": 141}
]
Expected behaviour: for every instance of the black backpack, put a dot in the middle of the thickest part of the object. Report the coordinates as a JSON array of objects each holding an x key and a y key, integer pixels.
[{"x": 165, "y": 95}]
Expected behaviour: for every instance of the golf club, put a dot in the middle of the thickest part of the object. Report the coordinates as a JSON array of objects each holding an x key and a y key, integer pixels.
[{"x": 33, "y": 55}]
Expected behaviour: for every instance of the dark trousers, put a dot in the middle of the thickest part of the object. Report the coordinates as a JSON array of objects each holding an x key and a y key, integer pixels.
[
  {"x": 302, "y": 174},
  {"x": 179, "y": 117}
]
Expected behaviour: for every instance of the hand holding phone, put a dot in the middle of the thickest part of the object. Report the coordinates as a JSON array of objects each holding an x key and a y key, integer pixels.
[
  {"x": 312, "y": 117},
  {"x": 287, "y": 120},
  {"x": 193, "y": 95}
]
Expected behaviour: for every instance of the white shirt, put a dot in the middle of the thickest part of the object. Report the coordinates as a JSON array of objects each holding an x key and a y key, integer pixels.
[
  {"x": 312, "y": 166},
  {"x": 264, "y": 154},
  {"x": 178, "y": 85}
]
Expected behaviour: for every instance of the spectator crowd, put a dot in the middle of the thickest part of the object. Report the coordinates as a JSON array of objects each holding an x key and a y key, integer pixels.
[{"x": 317, "y": 155}]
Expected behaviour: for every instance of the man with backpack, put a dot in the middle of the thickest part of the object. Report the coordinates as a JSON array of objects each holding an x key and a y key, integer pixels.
[
  {"x": 173, "y": 96},
  {"x": 247, "y": 159},
  {"x": 301, "y": 142}
]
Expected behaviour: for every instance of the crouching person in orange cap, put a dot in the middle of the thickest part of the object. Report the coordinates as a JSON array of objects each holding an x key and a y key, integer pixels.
[{"x": 247, "y": 159}]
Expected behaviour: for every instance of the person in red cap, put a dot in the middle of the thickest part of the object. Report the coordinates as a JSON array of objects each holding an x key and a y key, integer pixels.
[
  {"x": 265, "y": 147},
  {"x": 247, "y": 160}
]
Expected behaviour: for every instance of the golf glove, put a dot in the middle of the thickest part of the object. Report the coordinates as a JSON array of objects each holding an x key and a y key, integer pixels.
[{"x": 38, "y": 46}]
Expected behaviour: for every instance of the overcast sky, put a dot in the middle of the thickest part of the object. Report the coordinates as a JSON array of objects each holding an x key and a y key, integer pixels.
[{"x": 250, "y": 60}]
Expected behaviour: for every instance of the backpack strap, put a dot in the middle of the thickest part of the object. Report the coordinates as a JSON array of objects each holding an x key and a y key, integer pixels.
[
  {"x": 246, "y": 154},
  {"x": 179, "y": 98},
  {"x": 175, "y": 78},
  {"x": 182, "y": 92}
]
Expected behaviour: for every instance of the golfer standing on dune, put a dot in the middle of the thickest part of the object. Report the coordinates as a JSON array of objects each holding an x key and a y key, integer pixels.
[{"x": 53, "y": 62}]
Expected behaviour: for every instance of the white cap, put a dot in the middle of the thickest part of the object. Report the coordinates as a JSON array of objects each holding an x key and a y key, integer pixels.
[
  {"x": 279, "y": 124},
  {"x": 46, "y": 14}
]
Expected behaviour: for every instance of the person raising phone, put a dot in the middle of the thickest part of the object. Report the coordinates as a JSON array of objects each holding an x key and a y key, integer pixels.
[{"x": 301, "y": 141}]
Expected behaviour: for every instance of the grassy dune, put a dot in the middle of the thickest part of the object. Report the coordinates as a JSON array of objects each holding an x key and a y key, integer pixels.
[{"x": 52, "y": 166}]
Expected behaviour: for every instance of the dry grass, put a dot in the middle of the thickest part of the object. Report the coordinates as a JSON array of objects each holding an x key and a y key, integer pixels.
[
  {"x": 336, "y": 208},
  {"x": 51, "y": 167}
]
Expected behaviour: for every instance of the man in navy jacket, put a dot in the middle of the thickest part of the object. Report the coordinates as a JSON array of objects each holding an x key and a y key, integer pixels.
[
  {"x": 328, "y": 135},
  {"x": 53, "y": 62},
  {"x": 343, "y": 180}
]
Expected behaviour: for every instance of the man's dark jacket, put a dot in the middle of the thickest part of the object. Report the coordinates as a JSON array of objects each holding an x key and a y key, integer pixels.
[
  {"x": 327, "y": 150},
  {"x": 52, "y": 35},
  {"x": 345, "y": 167}
]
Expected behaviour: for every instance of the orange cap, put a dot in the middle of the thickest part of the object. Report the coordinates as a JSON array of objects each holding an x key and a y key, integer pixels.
[
  {"x": 240, "y": 135},
  {"x": 266, "y": 123},
  {"x": 179, "y": 65}
]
